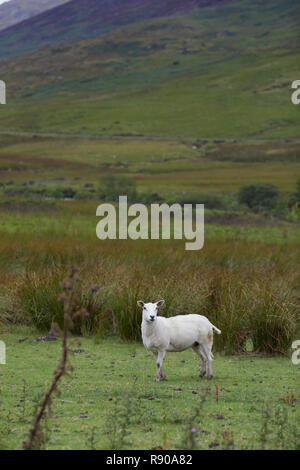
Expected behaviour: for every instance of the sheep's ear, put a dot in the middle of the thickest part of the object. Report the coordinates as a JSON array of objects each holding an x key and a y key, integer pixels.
[
  {"x": 140, "y": 303},
  {"x": 160, "y": 303}
]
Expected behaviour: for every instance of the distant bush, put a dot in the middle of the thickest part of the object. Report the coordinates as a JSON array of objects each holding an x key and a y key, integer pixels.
[
  {"x": 56, "y": 193},
  {"x": 68, "y": 193},
  {"x": 113, "y": 186},
  {"x": 60, "y": 192},
  {"x": 258, "y": 196}
]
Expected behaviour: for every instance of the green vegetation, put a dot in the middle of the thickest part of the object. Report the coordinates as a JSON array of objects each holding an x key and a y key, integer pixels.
[
  {"x": 112, "y": 186},
  {"x": 219, "y": 73},
  {"x": 112, "y": 392},
  {"x": 189, "y": 109},
  {"x": 260, "y": 196},
  {"x": 245, "y": 279}
]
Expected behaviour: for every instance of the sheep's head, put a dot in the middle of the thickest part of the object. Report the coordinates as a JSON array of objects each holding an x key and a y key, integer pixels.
[{"x": 150, "y": 310}]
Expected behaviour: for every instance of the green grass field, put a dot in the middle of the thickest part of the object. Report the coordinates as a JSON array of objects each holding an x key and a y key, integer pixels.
[
  {"x": 161, "y": 166},
  {"x": 112, "y": 384}
]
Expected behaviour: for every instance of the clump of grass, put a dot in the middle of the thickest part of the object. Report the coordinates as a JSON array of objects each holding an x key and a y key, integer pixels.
[
  {"x": 273, "y": 318},
  {"x": 125, "y": 312},
  {"x": 39, "y": 300},
  {"x": 226, "y": 307},
  {"x": 265, "y": 312}
]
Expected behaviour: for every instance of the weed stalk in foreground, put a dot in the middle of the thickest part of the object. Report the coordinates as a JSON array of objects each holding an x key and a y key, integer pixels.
[{"x": 67, "y": 298}]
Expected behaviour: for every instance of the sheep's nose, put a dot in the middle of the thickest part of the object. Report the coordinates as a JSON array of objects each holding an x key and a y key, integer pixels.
[{"x": 151, "y": 317}]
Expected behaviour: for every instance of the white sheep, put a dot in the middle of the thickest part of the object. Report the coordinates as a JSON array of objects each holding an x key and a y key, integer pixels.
[{"x": 177, "y": 334}]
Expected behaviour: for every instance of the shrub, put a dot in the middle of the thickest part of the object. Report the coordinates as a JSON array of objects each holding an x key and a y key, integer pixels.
[
  {"x": 60, "y": 192},
  {"x": 85, "y": 195},
  {"x": 113, "y": 186},
  {"x": 258, "y": 196},
  {"x": 68, "y": 193},
  {"x": 56, "y": 193}
]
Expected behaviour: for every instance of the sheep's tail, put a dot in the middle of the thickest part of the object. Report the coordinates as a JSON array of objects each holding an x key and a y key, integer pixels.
[{"x": 216, "y": 329}]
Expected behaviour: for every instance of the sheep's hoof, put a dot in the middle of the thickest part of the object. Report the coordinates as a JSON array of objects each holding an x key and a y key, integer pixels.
[
  {"x": 156, "y": 379},
  {"x": 209, "y": 377},
  {"x": 202, "y": 374}
]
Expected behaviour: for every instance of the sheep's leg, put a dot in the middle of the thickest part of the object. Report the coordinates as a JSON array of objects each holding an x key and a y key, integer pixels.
[
  {"x": 206, "y": 348},
  {"x": 197, "y": 349},
  {"x": 159, "y": 371},
  {"x": 162, "y": 374}
]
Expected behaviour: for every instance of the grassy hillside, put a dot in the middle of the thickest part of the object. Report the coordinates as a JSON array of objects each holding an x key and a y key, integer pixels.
[
  {"x": 214, "y": 74},
  {"x": 15, "y": 11},
  {"x": 186, "y": 103},
  {"x": 80, "y": 19}
]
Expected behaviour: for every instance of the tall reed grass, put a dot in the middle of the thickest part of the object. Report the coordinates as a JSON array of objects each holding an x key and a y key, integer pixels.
[{"x": 251, "y": 292}]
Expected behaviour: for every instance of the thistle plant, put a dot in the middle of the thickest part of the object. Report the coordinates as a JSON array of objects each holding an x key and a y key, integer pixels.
[{"x": 69, "y": 285}]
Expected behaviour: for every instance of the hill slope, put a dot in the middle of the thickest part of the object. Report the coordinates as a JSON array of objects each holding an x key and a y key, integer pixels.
[
  {"x": 223, "y": 72},
  {"x": 15, "y": 11},
  {"x": 80, "y": 19}
]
